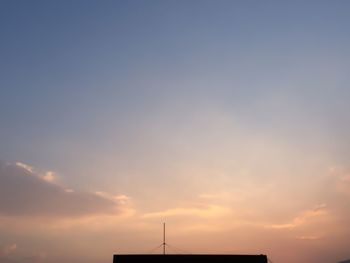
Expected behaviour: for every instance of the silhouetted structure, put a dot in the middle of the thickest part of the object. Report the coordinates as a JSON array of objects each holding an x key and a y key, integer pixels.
[
  {"x": 345, "y": 261},
  {"x": 192, "y": 258}
]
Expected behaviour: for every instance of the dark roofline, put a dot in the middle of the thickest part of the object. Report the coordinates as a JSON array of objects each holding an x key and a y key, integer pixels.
[
  {"x": 185, "y": 258},
  {"x": 209, "y": 254}
]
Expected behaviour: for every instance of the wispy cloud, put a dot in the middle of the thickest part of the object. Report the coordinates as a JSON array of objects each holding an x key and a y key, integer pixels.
[
  {"x": 49, "y": 176},
  {"x": 342, "y": 179},
  {"x": 7, "y": 255},
  {"x": 304, "y": 218},
  {"x": 197, "y": 211},
  {"x": 309, "y": 237},
  {"x": 26, "y": 167},
  {"x": 24, "y": 192},
  {"x": 8, "y": 249}
]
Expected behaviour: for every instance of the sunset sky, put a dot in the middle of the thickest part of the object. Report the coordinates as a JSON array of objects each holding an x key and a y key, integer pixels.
[{"x": 228, "y": 120}]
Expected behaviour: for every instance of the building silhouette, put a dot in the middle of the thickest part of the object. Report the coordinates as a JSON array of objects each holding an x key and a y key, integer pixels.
[{"x": 189, "y": 258}]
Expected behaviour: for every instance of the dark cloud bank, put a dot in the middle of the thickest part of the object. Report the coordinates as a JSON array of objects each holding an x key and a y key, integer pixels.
[{"x": 25, "y": 193}]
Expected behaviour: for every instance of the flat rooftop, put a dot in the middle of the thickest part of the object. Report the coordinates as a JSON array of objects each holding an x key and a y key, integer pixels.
[{"x": 190, "y": 258}]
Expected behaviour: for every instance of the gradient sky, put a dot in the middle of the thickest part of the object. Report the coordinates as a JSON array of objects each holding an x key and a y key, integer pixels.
[{"x": 229, "y": 120}]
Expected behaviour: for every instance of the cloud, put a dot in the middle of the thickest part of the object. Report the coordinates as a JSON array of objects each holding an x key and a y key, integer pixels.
[
  {"x": 200, "y": 210},
  {"x": 304, "y": 218},
  {"x": 5, "y": 259},
  {"x": 37, "y": 257},
  {"x": 23, "y": 192},
  {"x": 342, "y": 179},
  {"x": 8, "y": 249},
  {"x": 49, "y": 176},
  {"x": 26, "y": 167},
  {"x": 308, "y": 237}
]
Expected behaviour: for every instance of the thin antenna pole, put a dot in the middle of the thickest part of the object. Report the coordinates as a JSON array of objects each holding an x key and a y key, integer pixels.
[{"x": 164, "y": 239}]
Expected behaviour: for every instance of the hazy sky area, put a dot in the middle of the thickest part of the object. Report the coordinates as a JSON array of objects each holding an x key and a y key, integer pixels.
[{"x": 228, "y": 120}]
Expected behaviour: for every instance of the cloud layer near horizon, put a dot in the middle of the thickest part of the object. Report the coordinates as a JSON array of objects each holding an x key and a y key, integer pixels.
[{"x": 23, "y": 192}]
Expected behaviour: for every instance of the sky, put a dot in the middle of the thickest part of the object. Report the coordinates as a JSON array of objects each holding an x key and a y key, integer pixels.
[{"x": 228, "y": 120}]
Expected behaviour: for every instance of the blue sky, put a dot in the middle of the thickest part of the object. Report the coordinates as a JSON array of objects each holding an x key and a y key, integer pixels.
[
  {"x": 74, "y": 70},
  {"x": 184, "y": 99}
]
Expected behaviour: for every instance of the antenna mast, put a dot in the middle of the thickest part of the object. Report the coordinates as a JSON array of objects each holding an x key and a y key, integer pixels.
[{"x": 164, "y": 244}]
